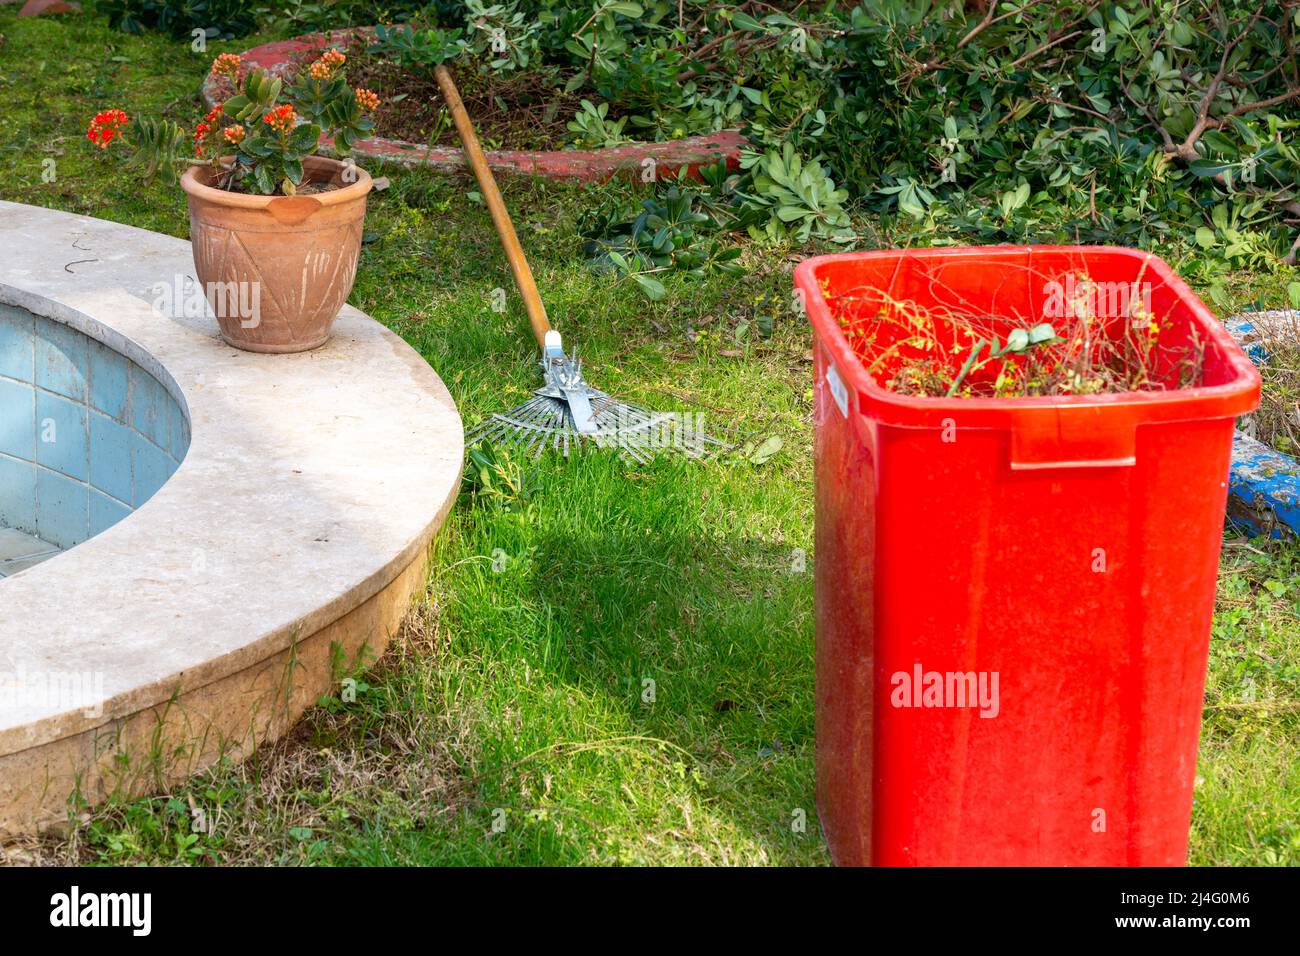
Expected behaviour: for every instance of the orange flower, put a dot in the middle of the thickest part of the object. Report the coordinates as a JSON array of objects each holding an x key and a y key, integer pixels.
[
  {"x": 328, "y": 63},
  {"x": 367, "y": 98},
  {"x": 227, "y": 65},
  {"x": 235, "y": 134},
  {"x": 105, "y": 126},
  {"x": 200, "y": 134},
  {"x": 281, "y": 119}
]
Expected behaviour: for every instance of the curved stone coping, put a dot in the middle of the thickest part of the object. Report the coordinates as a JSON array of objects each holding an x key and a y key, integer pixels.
[
  {"x": 1264, "y": 484},
  {"x": 311, "y": 484},
  {"x": 594, "y": 165}
]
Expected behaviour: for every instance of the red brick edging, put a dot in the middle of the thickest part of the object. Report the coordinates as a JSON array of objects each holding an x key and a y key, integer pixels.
[{"x": 594, "y": 165}]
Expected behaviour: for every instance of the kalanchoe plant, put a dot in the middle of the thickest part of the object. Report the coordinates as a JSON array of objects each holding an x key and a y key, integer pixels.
[{"x": 258, "y": 138}]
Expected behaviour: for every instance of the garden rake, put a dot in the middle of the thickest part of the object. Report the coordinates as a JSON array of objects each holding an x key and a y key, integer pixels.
[{"x": 565, "y": 413}]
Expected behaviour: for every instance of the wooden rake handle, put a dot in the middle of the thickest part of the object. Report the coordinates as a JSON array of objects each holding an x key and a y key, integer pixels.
[{"x": 492, "y": 196}]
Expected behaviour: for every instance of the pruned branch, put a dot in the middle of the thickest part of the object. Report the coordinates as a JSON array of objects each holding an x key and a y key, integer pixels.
[
  {"x": 1043, "y": 48},
  {"x": 1186, "y": 150},
  {"x": 990, "y": 20}
]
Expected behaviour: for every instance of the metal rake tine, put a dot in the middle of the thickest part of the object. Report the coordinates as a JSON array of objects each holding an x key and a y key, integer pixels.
[
  {"x": 631, "y": 452},
  {"x": 493, "y": 429},
  {"x": 534, "y": 428},
  {"x": 517, "y": 434},
  {"x": 536, "y": 445},
  {"x": 500, "y": 423},
  {"x": 489, "y": 431},
  {"x": 545, "y": 433},
  {"x": 537, "y": 413},
  {"x": 545, "y": 422},
  {"x": 482, "y": 429}
]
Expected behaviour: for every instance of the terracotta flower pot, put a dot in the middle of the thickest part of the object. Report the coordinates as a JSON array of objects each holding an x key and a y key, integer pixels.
[{"x": 277, "y": 269}]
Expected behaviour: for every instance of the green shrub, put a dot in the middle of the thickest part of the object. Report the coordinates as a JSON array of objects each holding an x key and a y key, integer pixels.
[
  {"x": 1140, "y": 122},
  {"x": 219, "y": 19}
]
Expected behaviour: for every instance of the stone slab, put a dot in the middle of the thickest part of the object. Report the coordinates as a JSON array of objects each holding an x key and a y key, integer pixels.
[{"x": 313, "y": 483}]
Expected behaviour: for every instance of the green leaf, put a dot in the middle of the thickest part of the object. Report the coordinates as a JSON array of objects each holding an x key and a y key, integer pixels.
[
  {"x": 304, "y": 138},
  {"x": 1020, "y": 196},
  {"x": 1293, "y": 294},
  {"x": 1206, "y": 168},
  {"x": 258, "y": 147},
  {"x": 264, "y": 179},
  {"x": 1206, "y": 237},
  {"x": 1041, "y": 333},
  {"x": 653, "y": 288},
  {"x": 766, "y": 450},
  {"x": 1017, "y": 341},
  {"x": 1218, "y": 142},
  {"x": 909, "y": 203}
]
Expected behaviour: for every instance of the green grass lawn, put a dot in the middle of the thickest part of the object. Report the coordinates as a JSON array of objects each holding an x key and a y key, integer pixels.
[{"x": 633, "y": 683}]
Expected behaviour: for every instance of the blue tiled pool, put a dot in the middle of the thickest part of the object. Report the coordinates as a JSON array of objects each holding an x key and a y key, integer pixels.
[{"x": 86, "y": 437}]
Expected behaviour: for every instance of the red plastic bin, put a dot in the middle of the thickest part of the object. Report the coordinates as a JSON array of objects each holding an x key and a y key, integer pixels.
[{"x": 1063, "y": 550}]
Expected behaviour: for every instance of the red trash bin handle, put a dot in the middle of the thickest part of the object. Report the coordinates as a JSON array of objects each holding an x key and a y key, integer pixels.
[{"x": 1074, "y": 437}]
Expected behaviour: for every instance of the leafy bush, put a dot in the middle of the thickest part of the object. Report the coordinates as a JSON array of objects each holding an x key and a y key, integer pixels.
[
  {"x": 219, "y": 19},
  {"x": 418, "y": 48},
  {"x": 1125, "y": 122},
  {"x": 680, "y": 229},
  {"x": 501, "y": 35},
  {"x": 803, "y": 200},
  {"x": 593, "y": 127},
  {"x": 1138, "y": 122}
]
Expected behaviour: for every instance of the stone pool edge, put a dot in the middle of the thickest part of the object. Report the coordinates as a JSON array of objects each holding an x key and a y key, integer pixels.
[{"x": 177, "y": 720}]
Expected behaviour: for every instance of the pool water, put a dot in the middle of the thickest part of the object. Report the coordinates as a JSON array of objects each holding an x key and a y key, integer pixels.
[{"x": 87, "y": 435}]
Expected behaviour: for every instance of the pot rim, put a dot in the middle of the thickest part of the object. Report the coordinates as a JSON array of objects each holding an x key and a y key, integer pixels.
[{"x": 221, "y": 197}]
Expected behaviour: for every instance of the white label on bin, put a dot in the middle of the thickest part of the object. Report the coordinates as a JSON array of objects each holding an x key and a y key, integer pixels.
[{"x": 840, "y": 393}]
